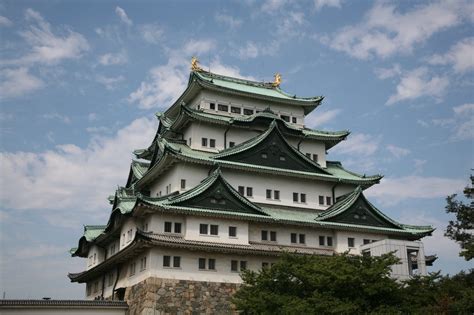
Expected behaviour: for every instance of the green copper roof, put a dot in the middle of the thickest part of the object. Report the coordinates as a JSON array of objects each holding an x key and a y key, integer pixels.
[
  {"x": 174, "y": 150},
  {"x": 214, "y": 192},
  {"x": 354, "y": 208},
  {"x": 276, "y": 150},
  {"x": 252, "y": 87},
  {"x": 92, "y": 231}
]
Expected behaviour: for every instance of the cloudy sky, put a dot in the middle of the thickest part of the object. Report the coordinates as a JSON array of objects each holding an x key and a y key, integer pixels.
[{"x": 81, "y": 80}]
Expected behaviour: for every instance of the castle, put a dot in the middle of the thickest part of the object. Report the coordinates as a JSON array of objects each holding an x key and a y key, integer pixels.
[{"x": 232, "y": 179}]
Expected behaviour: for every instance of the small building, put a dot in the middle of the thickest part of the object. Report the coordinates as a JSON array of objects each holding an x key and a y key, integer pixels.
[{"x": 232, "y": 179}]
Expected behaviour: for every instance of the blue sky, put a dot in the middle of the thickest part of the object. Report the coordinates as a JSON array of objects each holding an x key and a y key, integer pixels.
[{"x": 81, "y": 80}]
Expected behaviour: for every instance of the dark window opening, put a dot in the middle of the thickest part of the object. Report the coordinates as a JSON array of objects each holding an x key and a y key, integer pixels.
[
  {"x": 212, "y": 143},
  {"x": 204, "y": 142},
  {"x": 235, "y": 110},
  {"x": 273, "y": 236},
  {"x": 177, "y": 227},
  {"x": 293, "y": 237},
  {"x": 321, "y": 200},
  {"x": 166, "y": 261},
  {"x": 231, "y": 144},
  {"x": 168, "y": 227},
  {"x": 232, "y": 231},
  {"x": 264, "y": 235},
  {"x": 203, "y": 228},
  {"x": 223, "y": 108},
  {"x": 212, "y": 106},
  {"x": 214, "y": 229},
  {"x": 285, "y": 118},
  {"x": 295, "y": 197},
  {"x": 248, "y": 111},
  {"x": 350, "y": 242},
  {"x": 249, "y": 191},
  {"x": 303, "y": 198}
]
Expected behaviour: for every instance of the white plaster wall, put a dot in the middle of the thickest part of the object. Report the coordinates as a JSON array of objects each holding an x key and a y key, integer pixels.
[
  {"x": 98, "y": 252},
  {"x": 399, "y": 271},
  {"x": 129, "y": 224},
  {"x": 239, "y": 135},
  {"x": 313, "y": 147},
  {"x": 341, "y": 241},
  {"x": 198, "y": 130},
  {"x": 192, "y": 230},
  {"x": 284, "y": 234},
  {"x": 157, "y": 222},
  {"x": 206, "y": 97},
  {"x": 285, "y": 184},
  {"x": 192, "y": 173}
]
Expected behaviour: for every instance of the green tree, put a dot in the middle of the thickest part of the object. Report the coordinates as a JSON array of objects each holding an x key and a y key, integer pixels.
[
  {"x": 460, "y": 230},
  {"x": 340, "y": 284}
]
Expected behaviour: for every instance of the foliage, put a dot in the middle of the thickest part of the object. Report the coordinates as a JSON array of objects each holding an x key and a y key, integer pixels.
[
  {"x": 340, "y": 284},
  {"x": 461, "y": 229},
  {"x": 345, "y": 284}
]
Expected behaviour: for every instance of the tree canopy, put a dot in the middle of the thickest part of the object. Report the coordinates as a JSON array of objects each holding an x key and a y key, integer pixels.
[
  {"x": 346, "y": 284},
  {"x": 461, "y": 229}
]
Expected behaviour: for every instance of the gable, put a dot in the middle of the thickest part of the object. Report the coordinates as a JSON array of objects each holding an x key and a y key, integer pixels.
[
  {"x": 273, "y": 151},
  {"x": 219, "y": 196},
  {"x": 362, "y": 213}
]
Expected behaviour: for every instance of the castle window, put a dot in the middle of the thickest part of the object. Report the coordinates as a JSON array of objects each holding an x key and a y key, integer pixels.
[
  {"x": 285, "y": 118},
  {"x": 241, "y": 190},
  {"x": 248, "y": 111},
  {"x": 293, "y": 120},
  {"x": 232, "y": 231},
  {"x": 293, "y": 237},
  {"x": 273, "y": 236},
  {"x": 189, "y": 141},
  {"x": 168, "y": 226},
  {"x": 212, "y": 106},
  {"x": 328, "y": 201},
  {"x": 329, "y": 240},
  {"x": 322, "y": 241},
  {"x": 276, "y": 194},
  {"x": 223, "y": 108},
  {"x": 315, "y": 157},
  {"x": 143, "y": 263},
  {"x": 203, "y": 228},
  {"x": 133, "y": 267},
  {"x": 249, "y": 192},
  {"x": 166, "y": 261},
  {"x": 269, "y": 194},
  {"x": 234, "y": 265},
  {"x": 295, "y": 197},
  {"x": 321, "y": 200},
  {"x": 303, "y": 198},
  {"x": 176, "y": 262},
  {"x": 302, "y": 239},
  {"x": 350, "y": 242},
  {"x": 231, "y": 144},
  {"x": 204, "y": 142},
  {"x": 183, "y": 184},
  {"x": 308, "y": 155},
  {"x": 264, "y": 235},
  {"x": 366, "y": 241},
  {"x": 212, "y": 143},
  {"x": 235, "y": 110},
  {"x": 211, "y": 264},
  {"x": 214, "y": 229},
  {"x": 177, "y": 228},
  {"x": 243, "y": 265}
]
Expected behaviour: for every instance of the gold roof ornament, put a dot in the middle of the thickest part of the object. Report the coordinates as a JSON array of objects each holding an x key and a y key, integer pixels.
[
  {"x": 277, "y": 80},
  {"x": 195, "y": 64}
]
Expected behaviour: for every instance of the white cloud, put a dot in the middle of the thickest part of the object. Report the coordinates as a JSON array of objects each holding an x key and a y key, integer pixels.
[
  {"x": 385, "y": 31},
  {"x": 319, "y": 4},
  {"x": 110, "y": 83},
  {"x": 228, "y": 20},
  {"x": 460, "y": 56},
  {"x": 4, "y": 21},
  {"x": 70, "y": 177},
  {"x": 417, "y": 83},
  {"x": 358, "y": 144},
  {"x": 393, "y": 190},
  {"x": 290, "y": 25},
  {"x": 152, "y": 33},
  {"x": 386, "y": 73},
  {"x": 197, "y": 47},
  {"x": 317, "y": 118},
  {"x": 123, "y": 16},
  {"x": 422, "y": 123},
  {"x": 461, "y": 123},
  {"x": 46, "y": 47},
  {"x": 17, "y": 82},
  {"x": 273, "y": 5},
  {"x": 250, "y": 50},
  {"x": 113, "y": 59},
  {"x": 397, "y": 152},
  {"x": 63, "y": 118},
  {"x": 163, "y": 85}
]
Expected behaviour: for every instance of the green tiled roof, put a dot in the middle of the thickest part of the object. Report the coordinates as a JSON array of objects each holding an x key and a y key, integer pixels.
[
  {"x": 181, "y": 151},
  {"x": 252, "y": 87},
  {"x": 92, "y": 231},
  {"x": 139, "y": 168}
]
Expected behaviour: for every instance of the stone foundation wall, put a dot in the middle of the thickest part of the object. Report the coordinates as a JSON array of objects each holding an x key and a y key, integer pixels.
[{"x": 155, "y": 296}]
